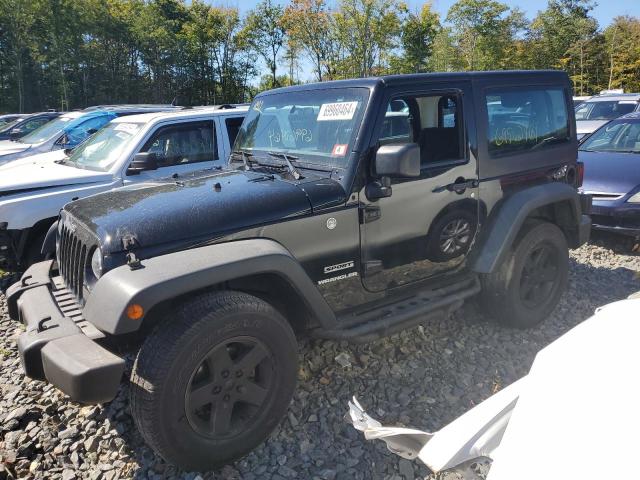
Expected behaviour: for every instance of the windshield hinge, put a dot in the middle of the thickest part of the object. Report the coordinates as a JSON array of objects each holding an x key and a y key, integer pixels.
[
  {"x": 133, "y": 261},
  {"x": 369, "y": 213}
]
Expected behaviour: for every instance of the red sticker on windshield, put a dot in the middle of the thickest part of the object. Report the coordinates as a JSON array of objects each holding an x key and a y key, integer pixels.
[{"x": 339, "y": 150}]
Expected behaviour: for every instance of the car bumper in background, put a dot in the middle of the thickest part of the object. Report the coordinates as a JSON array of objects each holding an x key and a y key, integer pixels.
[
  {"x": 59, "y": 345},
  {"x": 623, "y": 219}
]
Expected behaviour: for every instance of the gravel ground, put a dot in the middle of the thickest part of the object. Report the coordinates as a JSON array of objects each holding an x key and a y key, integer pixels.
[{"x": 424, "y": 377}]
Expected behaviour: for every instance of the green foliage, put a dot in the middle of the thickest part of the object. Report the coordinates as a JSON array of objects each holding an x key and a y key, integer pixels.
[{"x": 70, "y": 54}]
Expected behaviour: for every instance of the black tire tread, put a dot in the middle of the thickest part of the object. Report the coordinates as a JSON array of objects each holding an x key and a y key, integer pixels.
[
  {"x": 154, "y": 358},
  {"x": 495, "y": 286}
]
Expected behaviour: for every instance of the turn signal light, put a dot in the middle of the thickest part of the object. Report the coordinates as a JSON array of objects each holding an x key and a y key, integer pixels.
[
  {"x": 579, "y": 173},
  {"x": 135, "y": 311}
]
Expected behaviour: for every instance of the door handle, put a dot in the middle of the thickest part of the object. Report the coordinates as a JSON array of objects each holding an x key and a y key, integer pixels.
[{"x": 459, "y": 186}]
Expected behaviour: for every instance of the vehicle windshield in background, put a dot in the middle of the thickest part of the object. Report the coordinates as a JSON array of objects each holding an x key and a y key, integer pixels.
[
  {"x": 617, "y": 136},
  {"x": 46, "y": 131},
  {"x": 6, "y": 126},
  {"x": 316, "y": 126},
  {"x": 604, "y": 110},
  {"x": 103, "y": 149}
]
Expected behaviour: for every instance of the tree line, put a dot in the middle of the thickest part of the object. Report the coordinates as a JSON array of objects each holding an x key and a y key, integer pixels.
[{"x": 69, "y": 54}]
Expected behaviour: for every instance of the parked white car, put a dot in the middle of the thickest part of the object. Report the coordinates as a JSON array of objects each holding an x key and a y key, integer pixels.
[
  {"x": 69, "y": 130},
  {"x": 128, "y": 150},
  {"x": 574, "y": 416}
]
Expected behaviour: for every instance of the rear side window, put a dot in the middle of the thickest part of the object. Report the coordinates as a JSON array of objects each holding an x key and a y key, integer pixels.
[{"x": 525, "y": 119}]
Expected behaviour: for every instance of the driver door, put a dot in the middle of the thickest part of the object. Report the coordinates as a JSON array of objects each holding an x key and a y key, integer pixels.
[{"x": 427, "y": 226}]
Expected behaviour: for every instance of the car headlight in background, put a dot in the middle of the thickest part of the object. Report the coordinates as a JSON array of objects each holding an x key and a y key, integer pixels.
[{"x": 635, "y": 198}]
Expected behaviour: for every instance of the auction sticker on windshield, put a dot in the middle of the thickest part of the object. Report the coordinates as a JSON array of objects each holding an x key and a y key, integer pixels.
[
  {"x": 337, "y": 111},
  {"x": 126, "y": 127}
]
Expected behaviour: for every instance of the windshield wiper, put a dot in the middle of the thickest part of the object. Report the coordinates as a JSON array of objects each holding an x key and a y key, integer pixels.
[
  {"x": 246, "y": 158},
  {"x": 292, "y": 170}
]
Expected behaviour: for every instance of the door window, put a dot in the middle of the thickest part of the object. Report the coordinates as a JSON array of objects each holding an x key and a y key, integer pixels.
[
  {"x": 431, "y": 121},
  {"x": 185, "y": 143},
  {"x": 233, "y": 126}
]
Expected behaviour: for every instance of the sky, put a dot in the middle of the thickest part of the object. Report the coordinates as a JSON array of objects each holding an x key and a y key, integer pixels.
[{"x": 604, "y": 12}]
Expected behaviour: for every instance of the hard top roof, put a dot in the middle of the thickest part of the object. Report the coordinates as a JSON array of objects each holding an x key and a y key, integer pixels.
[
  {"x": 390, "y": 80},
  {"x": 195, "y": 112}
]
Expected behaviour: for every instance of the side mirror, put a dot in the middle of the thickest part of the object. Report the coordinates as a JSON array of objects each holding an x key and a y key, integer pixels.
[
  {"x": 143, "y": 161},
  {"x": 398, "y": 160},
  {"x": 393, "y": 161},
  {"x": 15, "y": 133}
]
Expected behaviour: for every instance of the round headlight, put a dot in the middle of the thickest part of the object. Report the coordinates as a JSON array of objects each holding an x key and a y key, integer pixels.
[{"x": 96, "y": 263}]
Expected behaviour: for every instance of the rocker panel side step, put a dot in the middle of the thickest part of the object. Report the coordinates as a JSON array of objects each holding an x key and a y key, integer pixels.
[{"x": 392, "y": 318}]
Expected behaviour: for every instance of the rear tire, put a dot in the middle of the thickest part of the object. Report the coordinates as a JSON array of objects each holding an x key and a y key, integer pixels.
[
  {"x": 214, "y": 379},
  {"x": 527, "y": 286}
]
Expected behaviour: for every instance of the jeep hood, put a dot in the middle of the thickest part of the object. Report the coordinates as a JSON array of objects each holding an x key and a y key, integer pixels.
[
  {"x": 40, "y": 171},
  {"x": 177, "y": 213}
]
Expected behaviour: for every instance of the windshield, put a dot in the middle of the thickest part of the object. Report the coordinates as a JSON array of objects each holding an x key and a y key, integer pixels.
[
  {"x": 617, "y": 136},
  {"x": 104, "y": 148},
  {"x": 604, "y": 110},
  {"x": 46, "y": 131},
  {"x": 6, "y": 126},
  {"x": 317, "y": 126}
]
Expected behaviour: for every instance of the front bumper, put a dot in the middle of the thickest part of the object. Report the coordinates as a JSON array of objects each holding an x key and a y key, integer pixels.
[
  {"x": 623, "y": 219},
  {"x": 59, "y": 346}
]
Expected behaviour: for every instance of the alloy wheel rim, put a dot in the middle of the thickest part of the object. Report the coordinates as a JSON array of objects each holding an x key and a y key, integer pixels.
[
  {"x": 539, "y": 276},
  {"x": 229, "y": 388},
  {"x": 455, "y": 236}
]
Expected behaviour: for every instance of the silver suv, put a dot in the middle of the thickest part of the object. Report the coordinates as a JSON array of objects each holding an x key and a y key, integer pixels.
[{"x": 600, "y": 109}]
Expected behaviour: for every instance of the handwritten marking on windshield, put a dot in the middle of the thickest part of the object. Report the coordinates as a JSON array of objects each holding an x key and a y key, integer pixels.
[{"x": 278, "y": 137}]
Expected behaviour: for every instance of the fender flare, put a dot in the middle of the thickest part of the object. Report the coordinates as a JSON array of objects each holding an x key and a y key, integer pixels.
[
  {"x": 503, "y": 226},
  {"x": 174, "y": 274},
  {"x": 49, "y": 244}
]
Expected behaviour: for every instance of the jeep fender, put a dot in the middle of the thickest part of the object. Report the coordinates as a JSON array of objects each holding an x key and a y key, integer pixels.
[
  {"x": 500, "y": 231},
  {"x": 169, "y": 276}
]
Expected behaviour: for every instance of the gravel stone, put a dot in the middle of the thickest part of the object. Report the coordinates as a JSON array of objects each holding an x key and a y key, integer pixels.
[{"x": 424, "y": 377}]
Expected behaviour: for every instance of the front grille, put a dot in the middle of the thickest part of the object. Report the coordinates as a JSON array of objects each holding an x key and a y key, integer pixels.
[{"x": 72, "y": 260}]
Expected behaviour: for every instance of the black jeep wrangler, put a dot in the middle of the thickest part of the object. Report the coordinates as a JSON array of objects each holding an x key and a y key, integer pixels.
[{"x": 350, "y": 210}]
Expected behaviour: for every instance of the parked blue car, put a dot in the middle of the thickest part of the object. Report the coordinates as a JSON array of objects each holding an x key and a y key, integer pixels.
[{"x": 611, "y": 157}]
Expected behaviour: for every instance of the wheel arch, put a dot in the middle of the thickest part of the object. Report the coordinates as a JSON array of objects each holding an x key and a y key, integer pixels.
[
  {"x": 260, "y": 267},
  {"x": 558, "y": 203}
]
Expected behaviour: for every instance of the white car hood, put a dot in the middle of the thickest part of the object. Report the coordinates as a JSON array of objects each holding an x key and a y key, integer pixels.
[
  {"x": 577, "y": 415},
  {"x": 588, "y": 126},
  {"x": 574, "y": 416},
  {"x": 7, "y": 147},
  {"x": 40, "y": 171}
]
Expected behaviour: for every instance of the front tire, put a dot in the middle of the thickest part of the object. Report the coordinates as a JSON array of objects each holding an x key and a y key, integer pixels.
[
  {"x": 527, "y": 286},
  {"x": 213, "y": 380}
]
